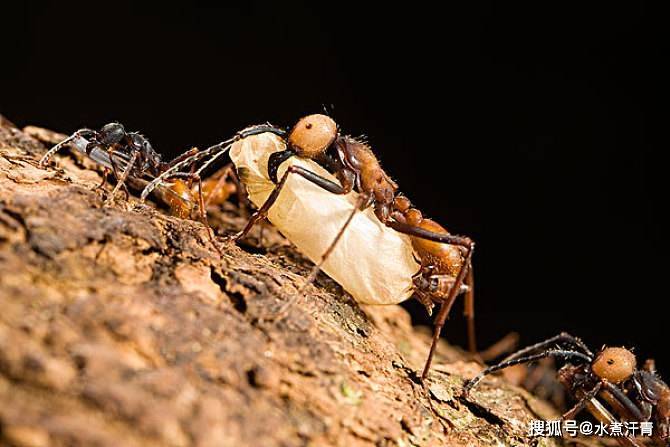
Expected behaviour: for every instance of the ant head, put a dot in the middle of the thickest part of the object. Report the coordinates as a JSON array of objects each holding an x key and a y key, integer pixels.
[
  {"x": 112, "y": 133},
  {"x": 312, "y": 135},
  {"x": 614, "y": 364}
]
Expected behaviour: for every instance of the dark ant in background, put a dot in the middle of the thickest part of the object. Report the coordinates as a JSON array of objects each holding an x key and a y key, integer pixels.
[
  {"x": 128, "y": 150},
  {"x": 130, "y": 155},
  {"x": 633, "y": 394},
  {"x": 446, "y": 268}
]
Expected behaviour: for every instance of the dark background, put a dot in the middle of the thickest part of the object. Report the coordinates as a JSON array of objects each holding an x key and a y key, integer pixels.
[{"x": 524, "y": 126}]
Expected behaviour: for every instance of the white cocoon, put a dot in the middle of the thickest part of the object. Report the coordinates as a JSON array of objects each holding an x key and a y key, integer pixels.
[{"x": 372, "y": 262}]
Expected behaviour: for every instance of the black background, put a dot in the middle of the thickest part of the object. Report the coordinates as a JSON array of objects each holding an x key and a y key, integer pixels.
[{"x": 524, "y": 126}]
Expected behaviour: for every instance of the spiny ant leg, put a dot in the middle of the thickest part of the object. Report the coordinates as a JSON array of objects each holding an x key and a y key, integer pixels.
[
  {"x": 185, "y": 156},
  {"x": 221, "y": 148},
  {"x": 449, "y": 302},
  {"x": 259, "y": 129},
  {"x": 506, "y": 364},
  {"x": 175, "y": 166},
  {"x": 272, "y": 198}
]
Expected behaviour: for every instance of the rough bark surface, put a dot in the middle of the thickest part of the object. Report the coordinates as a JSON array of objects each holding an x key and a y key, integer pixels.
[{"x": 121, "y": 325}]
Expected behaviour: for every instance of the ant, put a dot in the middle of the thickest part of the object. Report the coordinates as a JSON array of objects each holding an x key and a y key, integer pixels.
[
  {"x": 445, "y": 259},
  {"x": 128, "y": 150},
  {"x": 131, "y": 154},
  {"x": 180, "y": 197},
  {"x": 634, "y": 394}
]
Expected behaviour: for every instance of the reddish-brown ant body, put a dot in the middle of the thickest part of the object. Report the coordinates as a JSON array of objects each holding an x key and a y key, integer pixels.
[
  {"x": 612, "y": 374},
  {"x": 445, "y": 258}
]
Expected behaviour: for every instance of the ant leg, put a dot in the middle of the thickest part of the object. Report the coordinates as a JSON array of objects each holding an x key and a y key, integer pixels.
[
  {"x": 449, "y": 301},
  {"x": 222, "y": 176},
  {"x": 80, "y": 133},
  {"x": 272, "y": 198},
  {"x": 185, "y": 156},
  {"x": 105, "y": 173},
  {"x": 624, "y": 400},
  {"x": 188, "y": 213},
  {"x": 444, "y": 238},
  {"x": 120, "y": 182},
  {"x": 259, "y": 129},
  {"x": 579, "y": 406},
  {"x": 445, "y": 308},
  {"x": 555, "y": 340},
  {"x": 187, "y": 160},
  {"x": 221, "y": 148},
  {"x": 506, "y": 364},
  {"x": 203, "y": 215},
  {"x": 601, "y": 414},
  {"x": 361, "y": 203}
]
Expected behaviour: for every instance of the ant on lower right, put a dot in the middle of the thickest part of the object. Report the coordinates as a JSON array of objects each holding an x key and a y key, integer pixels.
[{"x": 612, "y": 374}]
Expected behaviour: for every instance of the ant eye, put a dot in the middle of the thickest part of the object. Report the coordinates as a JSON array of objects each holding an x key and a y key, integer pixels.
[
  {"x": 614, "y": 364},
  {"x": 312, "y": 135}
]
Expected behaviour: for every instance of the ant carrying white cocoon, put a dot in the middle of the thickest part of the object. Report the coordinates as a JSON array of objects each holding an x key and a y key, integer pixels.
[
  {"x": 311, "y": 217},
  {"x": 391, "y": 251}
]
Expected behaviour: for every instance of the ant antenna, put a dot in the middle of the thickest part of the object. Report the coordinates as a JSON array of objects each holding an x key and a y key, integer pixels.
[
  {"x": 506, "y": 364},
  {"x": 186, "y": 162},
  {"x": 328, "y": 109}
]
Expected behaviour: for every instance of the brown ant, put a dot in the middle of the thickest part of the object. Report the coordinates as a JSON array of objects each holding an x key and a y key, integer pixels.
[
  {"x": 181, "y": 197},
  {"x": 634, "y": 394},
  {"x": 445, "y": 258}
]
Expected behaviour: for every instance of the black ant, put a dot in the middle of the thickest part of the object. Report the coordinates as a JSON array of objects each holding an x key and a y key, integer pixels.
[
  {"x": 130, "y": 155},
  {"x": 445, "y": 258},
  {"x": 634, "y": 394},
  {"x": 128, "y": 150}
]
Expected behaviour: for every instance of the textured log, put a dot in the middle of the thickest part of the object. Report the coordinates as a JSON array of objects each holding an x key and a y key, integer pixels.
[{"x": 120, "y": 325}]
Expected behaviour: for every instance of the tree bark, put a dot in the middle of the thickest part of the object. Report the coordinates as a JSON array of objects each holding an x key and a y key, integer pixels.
[{"x": 121, "y": 325}]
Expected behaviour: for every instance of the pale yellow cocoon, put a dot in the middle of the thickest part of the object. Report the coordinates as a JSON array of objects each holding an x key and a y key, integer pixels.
[{"x": 372, "y": 262}]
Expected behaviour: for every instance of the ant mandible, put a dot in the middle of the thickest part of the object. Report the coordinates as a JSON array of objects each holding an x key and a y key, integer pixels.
[
  {"x": 634, "y": 394},
  {"x": 445, "y": 269}
]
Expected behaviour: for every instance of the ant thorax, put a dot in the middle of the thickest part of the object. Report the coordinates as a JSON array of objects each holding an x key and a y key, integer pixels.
[{"x": 372, "y": 262}]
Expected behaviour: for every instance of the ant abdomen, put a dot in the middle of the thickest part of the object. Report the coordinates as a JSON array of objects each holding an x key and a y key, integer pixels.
[{"x": 180, "y": 199}]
